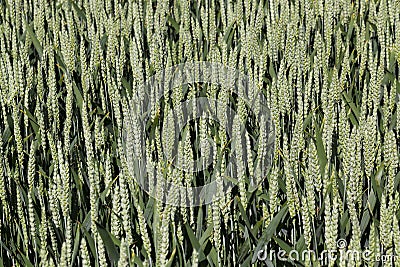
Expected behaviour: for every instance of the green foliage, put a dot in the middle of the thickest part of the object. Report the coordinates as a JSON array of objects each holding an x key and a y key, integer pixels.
[{"x": 68, "y": 69}]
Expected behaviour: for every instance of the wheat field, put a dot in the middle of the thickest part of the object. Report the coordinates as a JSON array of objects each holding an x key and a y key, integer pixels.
[{"x": 90, "y": 176}]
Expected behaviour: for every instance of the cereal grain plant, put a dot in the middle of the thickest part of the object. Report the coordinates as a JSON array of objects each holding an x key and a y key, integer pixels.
[{"x": 74, "y": 140}]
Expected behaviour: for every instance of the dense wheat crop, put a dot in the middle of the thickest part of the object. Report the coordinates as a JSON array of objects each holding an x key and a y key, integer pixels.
[{"x": 74, "y": 141}]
